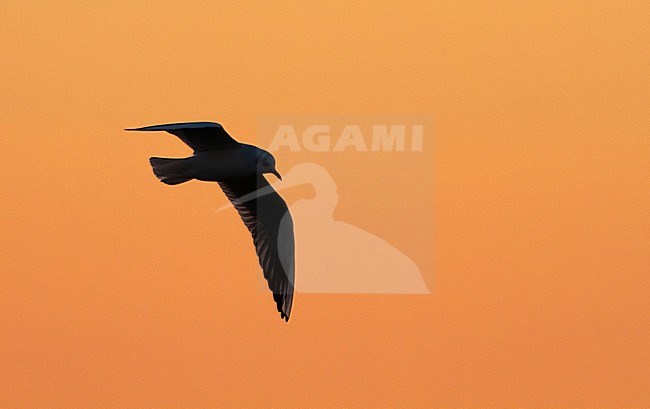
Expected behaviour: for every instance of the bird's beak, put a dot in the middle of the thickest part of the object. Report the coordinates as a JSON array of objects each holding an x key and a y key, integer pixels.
[{"x": 276, "y": 173}]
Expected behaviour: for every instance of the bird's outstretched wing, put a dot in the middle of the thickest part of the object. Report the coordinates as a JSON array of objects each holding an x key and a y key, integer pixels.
[
  {"x": 200, "y": 136},
  {"x": 268, "y": 219}
]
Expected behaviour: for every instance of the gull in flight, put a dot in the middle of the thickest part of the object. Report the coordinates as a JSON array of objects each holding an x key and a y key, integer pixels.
[{"x": 238, "y": 169}]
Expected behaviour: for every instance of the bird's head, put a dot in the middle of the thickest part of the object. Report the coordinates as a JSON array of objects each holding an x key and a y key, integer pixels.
[{"x": 266, "y": 163}]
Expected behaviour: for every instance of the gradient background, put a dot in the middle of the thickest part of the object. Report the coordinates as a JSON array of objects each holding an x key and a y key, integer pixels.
[{"x": 119, "y": 292}]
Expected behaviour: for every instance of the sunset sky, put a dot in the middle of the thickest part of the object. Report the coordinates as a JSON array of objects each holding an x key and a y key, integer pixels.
[{"x": 527, "y": 212}]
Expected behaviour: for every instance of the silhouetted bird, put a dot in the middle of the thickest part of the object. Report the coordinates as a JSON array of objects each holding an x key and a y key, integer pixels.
[{"x": 238, "y": 168}]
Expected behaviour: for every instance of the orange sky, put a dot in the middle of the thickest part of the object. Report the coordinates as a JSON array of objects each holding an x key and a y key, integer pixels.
[{"x": 119, "y": 292}]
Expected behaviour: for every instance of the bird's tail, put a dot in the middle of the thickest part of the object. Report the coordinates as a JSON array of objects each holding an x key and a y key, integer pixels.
[{"x": 170, "y": 171}]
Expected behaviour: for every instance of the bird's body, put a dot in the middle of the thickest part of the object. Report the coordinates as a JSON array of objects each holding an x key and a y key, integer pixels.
[
  {"x": 239, "y": 169},
  {"x": 209, "y": 166},
  {"x": 216, "y": 166}
]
